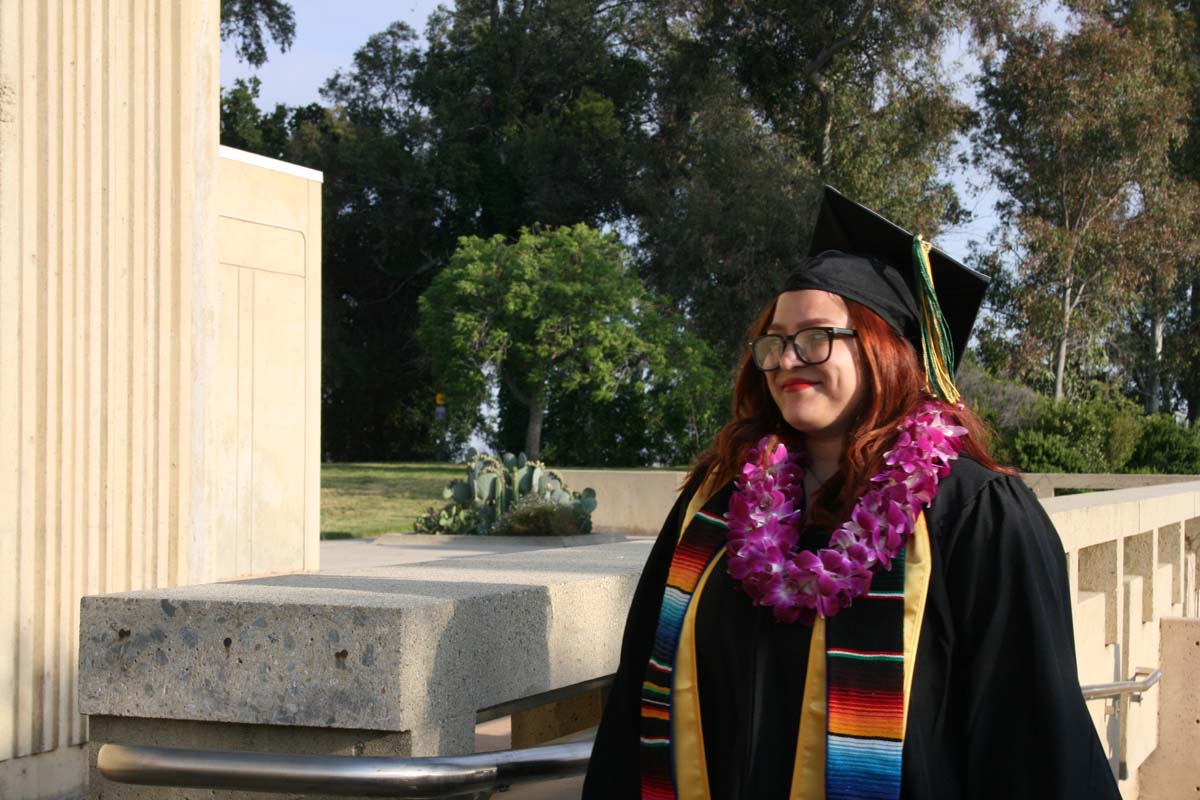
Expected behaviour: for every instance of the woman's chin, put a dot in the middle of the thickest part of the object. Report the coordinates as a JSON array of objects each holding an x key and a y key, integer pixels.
[
  {"x": 806, "y": 424},
  {"x": 818, "y": 426}
]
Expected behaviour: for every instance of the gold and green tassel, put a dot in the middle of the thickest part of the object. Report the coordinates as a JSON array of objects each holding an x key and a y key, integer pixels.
[{"x": 937, "y": 347}]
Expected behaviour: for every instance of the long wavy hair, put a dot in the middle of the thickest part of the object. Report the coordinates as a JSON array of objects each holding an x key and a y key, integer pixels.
[{"x": 895, "y": 384}]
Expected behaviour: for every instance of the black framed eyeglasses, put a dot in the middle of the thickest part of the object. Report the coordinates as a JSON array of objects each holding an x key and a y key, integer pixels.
[{"x": 811, "y": 346}]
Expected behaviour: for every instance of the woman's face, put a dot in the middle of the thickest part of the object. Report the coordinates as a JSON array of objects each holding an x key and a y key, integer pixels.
[{"x": 816, "y": 399}]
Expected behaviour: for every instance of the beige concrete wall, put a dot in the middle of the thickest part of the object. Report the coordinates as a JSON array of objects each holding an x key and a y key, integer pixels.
[
  {"x": 266, "y": 486},
  {"x": 107, "y": 140},
  {"x": 633, "y": 502},
  {"x": 1171, "y": 773},
  {"x": 114, "y": 414}
]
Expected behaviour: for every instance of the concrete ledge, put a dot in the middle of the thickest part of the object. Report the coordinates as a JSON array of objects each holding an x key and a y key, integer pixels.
[
  {"x": 1044, "y": 484},
  {"x": 415, "y": 649},
  {"x": 632, "y": 501},
  {"x": 1085, "y": 520},
  {"x": 404, "y": 658},
  {"x": 523, "y": 542}
]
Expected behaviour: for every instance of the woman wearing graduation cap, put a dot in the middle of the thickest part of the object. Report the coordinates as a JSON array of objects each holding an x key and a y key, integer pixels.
[{"x": 851, "y": 599}]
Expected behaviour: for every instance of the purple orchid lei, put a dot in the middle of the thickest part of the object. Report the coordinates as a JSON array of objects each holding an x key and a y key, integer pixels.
[{"x": 766, "y": 510}]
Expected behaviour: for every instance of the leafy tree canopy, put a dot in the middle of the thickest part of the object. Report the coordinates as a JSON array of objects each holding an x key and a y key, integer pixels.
[
  {"x": 701, "y": 132},
  {"x": 251, "y": 22},
  {"x": 555, "y": 311},
  {"x": 1070, "y": 124},
  {"x": 756, "y": 105}
]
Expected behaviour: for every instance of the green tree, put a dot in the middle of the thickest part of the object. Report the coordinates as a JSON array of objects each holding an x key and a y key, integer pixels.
[
  {"x": 755, "y": 105},
  {"x": 251, "y": 22},
  {"x": 665, "y": 416},
  {"x": 1183, "y": 348},
  {"x": 1158, "y": 346},
  {"x": 1162, "y": 243},
  {"x": 1070, "y": 124},
  {"x": 246, "y": 127},
  {"x": 700, "y": 131},
  {"x": 536, "y": 109},
  {"x": 386, "y": 230},
  {"x": 389, "y": 226},
  {"x": 554, "y": 311}
]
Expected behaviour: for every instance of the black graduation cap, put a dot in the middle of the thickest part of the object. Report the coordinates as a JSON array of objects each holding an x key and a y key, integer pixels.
[{"x": 859, "y": 255}]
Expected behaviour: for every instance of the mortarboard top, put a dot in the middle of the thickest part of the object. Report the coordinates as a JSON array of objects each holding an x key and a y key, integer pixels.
[{"x": 859, "y": 255}]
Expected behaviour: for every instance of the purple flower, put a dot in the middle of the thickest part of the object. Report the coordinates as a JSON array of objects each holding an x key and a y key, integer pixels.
[{"x": 762, "y": 518}]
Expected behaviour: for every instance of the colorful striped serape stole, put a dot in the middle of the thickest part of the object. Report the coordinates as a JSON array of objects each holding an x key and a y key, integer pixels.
[
  {"x": 702, "y": 541},
  {"x": 865, "y": 692}
]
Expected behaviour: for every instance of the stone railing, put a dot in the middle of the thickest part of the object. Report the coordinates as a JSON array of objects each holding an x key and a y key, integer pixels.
[
  {"x": 405, "y": 660},
  {"x": 1131, "y": 556},
  {"x": 1050, "y": 484},
  {"x": 632, "y": 500}
]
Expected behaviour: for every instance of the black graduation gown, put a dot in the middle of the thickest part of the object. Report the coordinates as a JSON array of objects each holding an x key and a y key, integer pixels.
[{"x": 995, "y": 709}]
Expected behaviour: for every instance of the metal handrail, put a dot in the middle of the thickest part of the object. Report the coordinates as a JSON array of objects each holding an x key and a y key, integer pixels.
[
  {"x": 1121, "y": 688},
  {"x": 474, "y": 776}
]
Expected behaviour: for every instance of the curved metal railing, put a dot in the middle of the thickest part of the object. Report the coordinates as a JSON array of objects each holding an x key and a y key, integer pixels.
[
  {"x": 473, "y": 777},
  {"x": 476, "y": 776},
  {"x": 1135, "y": 687}
]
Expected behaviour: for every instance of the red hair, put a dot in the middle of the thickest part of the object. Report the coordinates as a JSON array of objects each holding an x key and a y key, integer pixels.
[{"x": 895, "y": 384}]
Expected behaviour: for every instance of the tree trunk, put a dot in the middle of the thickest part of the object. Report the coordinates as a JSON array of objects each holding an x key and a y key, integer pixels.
[
  {"x": 813, "y": 74},
  {"x": 825, "y": 153},
  {"x": 1060, "y": 365},
  {"x": 533, "y": 433},
  {"x": 1192, "y": 384},
  {"x": 1154, "y": 383},
  {"x": 1060, "y": 359}
]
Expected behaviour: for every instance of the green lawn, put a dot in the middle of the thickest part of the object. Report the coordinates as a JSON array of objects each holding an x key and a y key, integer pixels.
[{"x": 370, "y": 499}]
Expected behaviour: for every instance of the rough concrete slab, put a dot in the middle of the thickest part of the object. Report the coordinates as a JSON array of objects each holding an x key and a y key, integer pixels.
[{"x": 418, "y": 648}]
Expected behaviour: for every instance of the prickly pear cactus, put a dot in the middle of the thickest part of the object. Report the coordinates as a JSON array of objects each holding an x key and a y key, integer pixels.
[{"x": 492, "y": 489}]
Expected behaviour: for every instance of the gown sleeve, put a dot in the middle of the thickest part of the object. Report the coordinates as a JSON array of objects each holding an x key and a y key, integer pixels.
[
  {"x": 1027, "y": 730},
  {"x": 614, "y": 770}
]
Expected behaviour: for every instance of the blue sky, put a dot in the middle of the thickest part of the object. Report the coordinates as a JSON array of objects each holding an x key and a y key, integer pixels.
[{"x": 328, "y": 33}]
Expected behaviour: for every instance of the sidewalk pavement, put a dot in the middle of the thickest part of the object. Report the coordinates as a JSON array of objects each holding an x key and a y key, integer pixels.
[{"x": 338, "y": 555}]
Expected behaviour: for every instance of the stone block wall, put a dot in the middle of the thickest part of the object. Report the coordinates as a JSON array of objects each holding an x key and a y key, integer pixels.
[
  {"x": 159, "y": 346},
  {"x": 108, "y": 142}
]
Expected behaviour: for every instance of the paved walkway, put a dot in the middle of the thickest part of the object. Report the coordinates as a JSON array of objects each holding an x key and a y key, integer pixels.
[{"x": 338, "y": 555}]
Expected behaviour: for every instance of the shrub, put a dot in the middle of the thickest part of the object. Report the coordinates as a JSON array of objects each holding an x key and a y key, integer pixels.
[
  {"x": 1005, "y": 405},
  {"x": 1039, "y": 451},
  {"x": 1166, "y": 446},
  {"x": 493, "y": 487},
  {"x": 536, "y": 516},
  {"x": 450, "y": 519},
  {"x": 1096, "y": 435}
]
